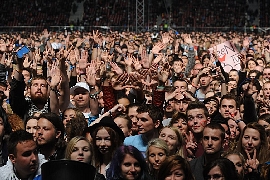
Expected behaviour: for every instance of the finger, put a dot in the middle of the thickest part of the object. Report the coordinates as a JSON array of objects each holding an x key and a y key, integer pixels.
[
  {"x": 248, "y": 155},
  {"x": 254, "y": 154}
]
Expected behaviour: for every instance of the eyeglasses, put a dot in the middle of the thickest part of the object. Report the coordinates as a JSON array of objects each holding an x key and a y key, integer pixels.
[{"x": 214, "y": 177}]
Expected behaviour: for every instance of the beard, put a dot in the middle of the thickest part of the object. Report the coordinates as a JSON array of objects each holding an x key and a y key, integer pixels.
[{"x": 38, "y": 99}]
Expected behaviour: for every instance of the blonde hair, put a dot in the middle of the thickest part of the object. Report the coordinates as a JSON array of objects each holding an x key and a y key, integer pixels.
[
  {"x": 158, "y": 143},
  {"x": 73, "y": 142},
  {"x": 180, "y": 139}
]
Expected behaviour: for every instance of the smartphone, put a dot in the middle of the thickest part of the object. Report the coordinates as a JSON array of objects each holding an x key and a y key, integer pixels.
[{"x": 24, "y": 50}]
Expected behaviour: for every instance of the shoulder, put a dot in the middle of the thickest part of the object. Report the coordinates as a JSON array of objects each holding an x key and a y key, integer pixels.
[
  {"x": 132, "y": 139},
  {"x": 6, "y": 172}
]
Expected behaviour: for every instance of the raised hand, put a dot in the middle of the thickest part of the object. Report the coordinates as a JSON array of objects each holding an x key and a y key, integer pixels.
[
  {"x": 190, "y": 144},
  {"x": 55, "y": 74},
  {"x": 252, "y": 163},
  {"x": 91, "y": 74},
  {"x": 116, "y": 68},
  {"x": 136, "y": 63},
  {"x": 157, "y": 48}
]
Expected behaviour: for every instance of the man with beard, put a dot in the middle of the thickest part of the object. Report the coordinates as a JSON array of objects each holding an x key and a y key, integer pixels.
[
  {"x": 38, "y": 102},
  {"x": 50, "y": 136},
  {"x": 24, "y": 161}
]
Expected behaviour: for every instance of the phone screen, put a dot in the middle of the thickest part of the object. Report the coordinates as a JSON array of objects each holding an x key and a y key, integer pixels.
[{"x": 24, "y": 50}]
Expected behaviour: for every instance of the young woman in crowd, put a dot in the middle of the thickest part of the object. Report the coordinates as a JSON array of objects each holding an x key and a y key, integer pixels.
[
  {"x": 156, "y": 153},
  {"x": 174, "y": 140},
  {"x": 221, "y": 168},
  {"x": 128, "y": 163},
  {"x": 238, "y": 161},
  {"x": 31, "y": 125},
  {"x": 107, "y": 137},
  {"x": 80, "y": 149},
  {"x": 179, "y": 120},
  {"x": 175, "y": 167},
  {"x": 70, "y": 113},
  {"x": 253, "y": 145}
]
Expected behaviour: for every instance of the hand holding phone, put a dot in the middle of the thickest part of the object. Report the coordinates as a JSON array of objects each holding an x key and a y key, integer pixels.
[{"x": 24, "y": 50}]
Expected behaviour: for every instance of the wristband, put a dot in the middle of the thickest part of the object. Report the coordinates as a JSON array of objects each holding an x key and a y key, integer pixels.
[{"x": 237, "y": 121}]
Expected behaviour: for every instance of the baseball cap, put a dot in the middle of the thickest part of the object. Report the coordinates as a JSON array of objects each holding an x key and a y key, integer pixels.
[{"x": 83, "y": 85}]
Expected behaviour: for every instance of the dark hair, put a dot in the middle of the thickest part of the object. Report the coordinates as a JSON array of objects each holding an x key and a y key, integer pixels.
[
  {"x": 204, "y": 57},
  {"x": 154, "y": 112},
  {"x": 7, "y": 126},
  {"x": 197, "y": 105},
  {"x": 265, "y": 117},
  {"x": 218, "y": 126},
  {"x": 75, "y": 127},
  {"x": 127, "y": 119},
  {"x": 55, "y": 120},
  {"x": 30, "y": 117},
  {"x": 18, "y": 137},
  {"x": 262, "y": 152},
  {"x": 115, "y": 139},
  {"x": 114, "y": 172},
  {"x": 226, "y": 167},
  {"x": 172, "y": 163},
  {"x": 39, "y": 77},
  {"x": 176, "y": 116},
  {"x": 229, "y": 97}
]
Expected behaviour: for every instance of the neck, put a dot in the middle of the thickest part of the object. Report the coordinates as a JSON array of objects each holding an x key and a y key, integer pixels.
[
  {"x": 205, "y": 89},
  {"x": 149, "y": 135},
  {"x": 211, "y": 157},
  {"x": 84, "y": 109},
  {"x": 47, "y": 151},
  {"x": 198, "y": 136}
]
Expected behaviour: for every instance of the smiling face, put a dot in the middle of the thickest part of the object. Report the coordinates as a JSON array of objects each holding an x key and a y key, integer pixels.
[
  {"x": 145, "y": 123},
  {"x": 130, "y": 168},
  {"x": 251, "y": 140},
  {"x": 81, "y": 152},
  {"x": 103, "y": 141},
  {"x": 181, "y": 124},
  {"x": 170, "y": 137},
  {"x": 196, "y": 120}
]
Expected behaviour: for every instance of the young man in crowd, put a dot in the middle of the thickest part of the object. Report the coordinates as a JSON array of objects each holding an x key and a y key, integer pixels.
[
  {"x": 149, "y": 124},
  {"x": 24, "y": 161},
  {"x": 50, "y": 136},
  {"x": 212, "y": 139}
]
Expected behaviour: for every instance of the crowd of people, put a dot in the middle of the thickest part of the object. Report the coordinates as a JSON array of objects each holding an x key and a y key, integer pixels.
[{"x": 152, "y": 105}]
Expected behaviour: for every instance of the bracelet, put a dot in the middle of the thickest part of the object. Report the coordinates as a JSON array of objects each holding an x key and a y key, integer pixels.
[
  {"x": 91, "y": 87},
  {"x": 160, "y": 87},
  {"x": 94, "y": 96},
  {"x": 110, "y": 112},
  {"x": 19, "y": 70},
  {"x": 56, "y": 91},
  {"x": 237, "y": 121}
]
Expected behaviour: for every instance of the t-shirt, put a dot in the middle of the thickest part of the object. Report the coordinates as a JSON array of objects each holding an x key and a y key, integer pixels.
[{"x": 137, "y": 142}]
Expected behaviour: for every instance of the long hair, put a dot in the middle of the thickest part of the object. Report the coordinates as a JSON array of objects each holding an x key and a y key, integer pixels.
[
  {"x": 115, "y": 143},
  {"x": 263, "y": 151},
  {"x": 114, "y": 172},
  {"x": 226, "y": 167},
  {"x": 73, "y": 142},
  {"x": 172, "y": 163},
  {"x": 180, "y": 141}
]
